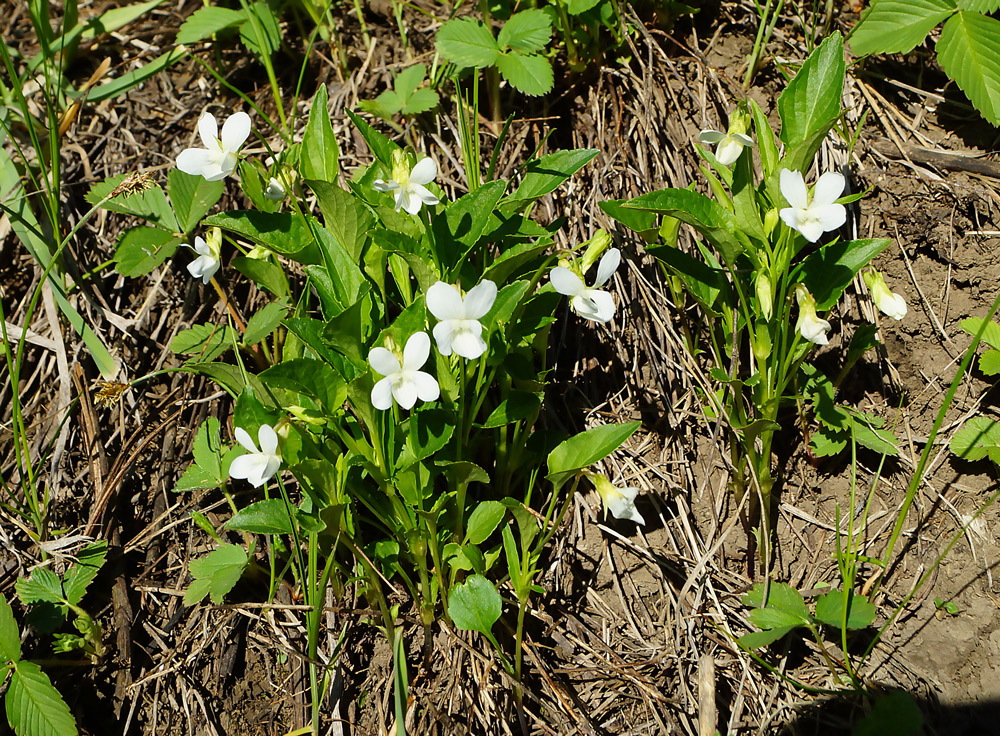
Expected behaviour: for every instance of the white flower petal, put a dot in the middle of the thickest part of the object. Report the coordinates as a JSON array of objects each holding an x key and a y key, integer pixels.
[
  {"x": 607, "y": 267},
  {"x": 201, "y": 247},
  {"x": 566, "y": 282},
  {"x": 479, "y": 301},
  {"x": 468, "y": 343},
  {"x": 743, "y": 138},
  {"x": 443, "y": 334},
  {"x": 423, "y": 194},
  {"x": 384, "y": 186},
  {"x": 208, "y": 129},
  {"x": 268, "y": 439},
  {"x": 424, "y": 171},
  {"x": 621, "y": 504},
  {"x": 810, "y": 228},
  {"x": 728, "y": 151},
  {"x": 830, "y": 217},
  {"x": 445, "y": 302},
  {"x": 710, "y": 137},
  {"x": 382, "y": 394},
  {"x": 793, "y": 189},
  {"x": 406, "y": 200},
  {"x": 894, "y": 307},
  {"x": 828, "y": 188},
  {"x": 198, "y": 162},
  {"x": 416, "y": 351},
  {"x": 235, "y": 131},
  {"x": 273, "y": 463},
  {"x": 244, "y": 438},
  {"x": 405, "y": 391},
  {"x": 246, "y": 466},
  {"x": 426, "y": 387},
  {"x": 383, "y": 362},
  {"x": 595, "y": 305}
]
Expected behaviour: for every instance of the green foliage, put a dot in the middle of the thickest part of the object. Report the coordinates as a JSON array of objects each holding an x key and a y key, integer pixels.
[
  {"x": 968, "y": 49},
  {"x": 475, "y": 605},
  {"x": 977, "y": 439},
  {"x": 407, "y": 97},
  {"x": 34, "y": 706},
  {"x": 785, "y": 610},
  {"x": 989, "y": 361},
  {"x": 216, "y": 573}
]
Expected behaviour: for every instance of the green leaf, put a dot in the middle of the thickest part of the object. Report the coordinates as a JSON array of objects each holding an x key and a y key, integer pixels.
[
  {"x": 830, "y": 610},
  {"x": 867, "y": 435},
  {"x": 427, "y": 431},
  {"x": 475, "y": 605},
  {"x": 517, "y": 406},
  {"x": 346, "y": 218},
  {"x": 195, "y": 478},
  {"x": 265, "y": 274},
  {"x": 380, "y": 146},
  {"x": 270, "y": 516},
  {"x": 411, "y": 99},
  {"x": 206, "y": 342},
  {"x": 208, "y": 21},
  {"x": 810, "y": 104},
  {"x": 893, "y": 714},
  {"x": 34, "y": 706},
  {"x": 979, "y": 6},
  {"x": 978, "y": 438},
  {"x": 261, "y": 33},
  {"x": 483, "y": 521},
  {"x": 89, "y": 561},
  {"x": 897, "y": 26},
  {"x": 642, "y": 222},
  {"x": 150, "y": 204},
  {"x": 216, "y": 573},
  {"x": 781, "y": 597},
  {"x": 527, "y": 32},
  {"x": 545, "y": 174},
  {"x": 44, "y": 586},
  {"x": 991, "y": 334},
  {"x": 716, "y": 223},
  {"x": 969, "y": 53},
  {"x": 10, "y": 637},
  {"x": 828, "y": 442},
  {"x": 207, "y": 447},
  {"x": 115, "y": 18},
  {"x": 576, "y": 7},
  {"x": 989, "y": 362},
  {"x": 320, "y": 154},
  {"x": 192, "y": 197},
  {"x": 468, "y": 216},
  {"x": 284, "y": 233},
  {"x": 585, "y": 449},
  {"x": 758, "y": 639},
  {"x": 828, "y": 271},
  {"x": 311, "y": 377},
  {"x": 264, "y": 321},
  {"x": 467, "y": 42},
  {"x": 528, "y": 73},
  {"x": 143, "y": 248}
]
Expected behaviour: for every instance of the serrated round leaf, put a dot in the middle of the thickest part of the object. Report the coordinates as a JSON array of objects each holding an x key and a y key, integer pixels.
[
  {"x": 976, "y": 438},
  {"x": 896, "y": 26},
  {"x": 34, "y": 706},
  {"x": 216, "y": 573},
  {"x": 475, "y": 605},
  {"x": 758, "y": 639},
  {"x": 419, "y": 101},
  {"x": 527, "y": 31},
  {"x": 830, "y": 610},
  {"x": 142, "y": 249},
  {"x": 10, "y": 637},
  {"x": 466, "y": 42},
  {"x": 969, "y": 53},
  {"x": 527, "y": 73}
]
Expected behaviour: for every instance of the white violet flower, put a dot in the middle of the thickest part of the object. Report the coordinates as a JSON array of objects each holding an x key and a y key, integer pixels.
[
  {"x": 408, "y": 184},
  {"x": 258, "y": 465},
  {"x": 730, "y": 145},
  {"x": 809, "y": 325},
  {"x": 889, "y": 303},
  {"x": 207, "y": 263},
  {"x": 219, "y": 157},
  {"x": 589, "y": 303},
  {"x": 619, "y": 501},
  {"x": 275, "y": 190},
  {"x": 405, "y": 383},
  {"x": 815, "y": 215},
  {"x": 459, "y": 329}
]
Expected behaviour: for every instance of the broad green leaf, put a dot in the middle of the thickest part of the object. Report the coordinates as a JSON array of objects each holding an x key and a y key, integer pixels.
[
  {"x": 575, "y": 7},
  {"x": 216, "y": 573},
  {"x": 88, "y": 563},
  {"x": 151, "y": 204},
  {"x": 528, "y": 73},
  {"x": 467, "y": 42},
  {"x": 527, "y": 32},
  {"x": 192, "y": 197},
  {"x": 989, "y": 362},
  {"x": 545, "y": 174},
  {"x": 207, "y": 447},
  {"x": 311, "y": 377},
  {"x": 344, "y": 216},
  {"x": 828, "y": 271},
  {"x": 270, "y": 516},
  {"x": 205, "y": 342},
  {"x": 10, "y": 637},
  {"x": 978, "y": 438},
  {"x": 195, "y": 478},
  {"x": 468, "y": 216},
  {"x": 44, "y": 586},
  {"x": 143, "y": 248},
  {"x": 585, "y": 449},
  {"x": 208, "y": 21},
  {"x": 115, "y": 18},
  {"x": 991, "y": 335},
  {"x": 427, "y": 431},
  {"x": 642, "y": 222},
  {"x": 828, "y": 442},
  {"x": 264, "y": 321},
  {"x": 708, "y": 217},
  {"x": 320, "y": 155},
  {"x": 230, "y": 377},
  {"x": 34, "y": 706},
  {"x": 979, "y": 6},
  {"x": 781, "y": 597},
  {"x": 867, "y": 435},
  {"x": 969, "y": 53},
  {"x": 483, "y": 521},
  {"x": 810, "y": 104},
  {"x": 265, "y": 274},
  {"x": 830, "y": 610},
  {"x": 758, "y": 639},
  {"x": 897, "y": 26},
  {"x": 284, "y": 233},
  {"x": 380, "y": 146},
  {"x": 507, "y": 301},
  {"x": 517, "y": 406},
  {"x": 420, "y": 100},
  {"x": 346, "y": 278},
  {"x": 411, "y": 99},
  {"x": 475, "y": 605}
]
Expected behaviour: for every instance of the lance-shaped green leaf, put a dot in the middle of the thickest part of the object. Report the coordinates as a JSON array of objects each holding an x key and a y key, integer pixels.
[
  {"x": 583, "y": 450},
  {"x": 828, "y": 271},
  {"x": 10, "y": 637},
  {"x": 284, "y": 233},
  {"x": 270, "y": 516},
  {"x": 320, "y": 155},
  {"x": 544, "y": 175},
  {"x": 192, "y": 197}
]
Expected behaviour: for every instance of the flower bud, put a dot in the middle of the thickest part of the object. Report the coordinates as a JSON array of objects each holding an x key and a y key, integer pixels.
[
  {"x": 214, "y": 240},
  {"x": 400, "y": 167},
  {"x": 809, "y": 325},
  {"x": 765, "y": 295},
  {"x": 890, "y": 304},
  {"x": 595, "y": 248},
  {"x": 771, "y": 219},
  {"x": 762, "y": 344}
]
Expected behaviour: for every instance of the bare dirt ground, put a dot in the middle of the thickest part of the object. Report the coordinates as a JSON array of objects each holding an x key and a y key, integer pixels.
[{"x": 636, "y": 631}]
